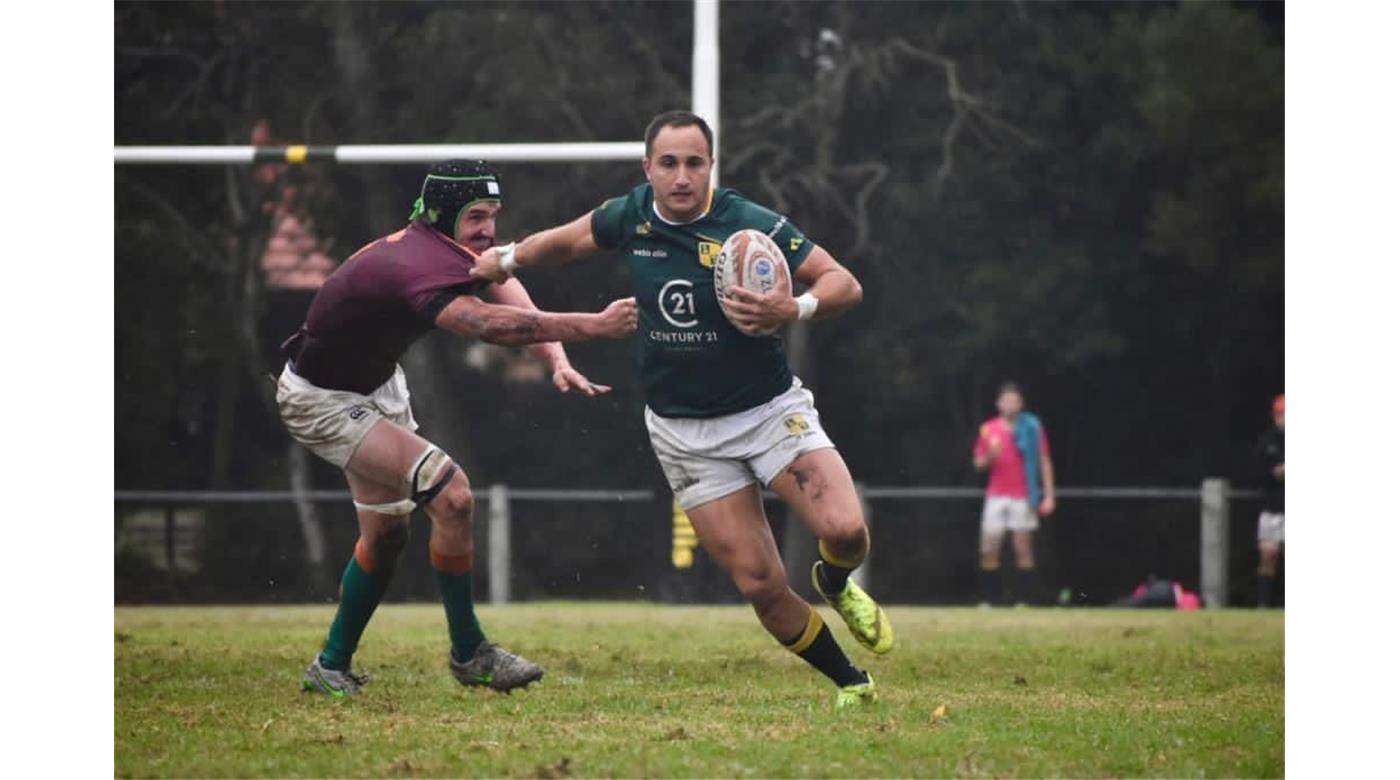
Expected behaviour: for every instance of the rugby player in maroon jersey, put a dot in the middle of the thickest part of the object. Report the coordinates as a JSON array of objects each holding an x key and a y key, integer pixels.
[{"x": 343, "y": 396}]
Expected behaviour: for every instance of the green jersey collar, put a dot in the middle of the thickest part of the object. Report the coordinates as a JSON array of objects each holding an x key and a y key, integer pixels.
[{"x": 709, "y": 203}]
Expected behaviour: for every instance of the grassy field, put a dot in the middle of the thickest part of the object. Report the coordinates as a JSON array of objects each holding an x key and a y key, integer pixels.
[{"x": 642, "y": 690}]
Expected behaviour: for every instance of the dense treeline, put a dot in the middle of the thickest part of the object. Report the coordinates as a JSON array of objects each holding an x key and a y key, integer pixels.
[{"x": 1085, "y": 197}]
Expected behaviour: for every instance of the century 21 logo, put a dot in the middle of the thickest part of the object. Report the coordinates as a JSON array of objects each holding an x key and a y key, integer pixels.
[{"x": 677, "y": 303}]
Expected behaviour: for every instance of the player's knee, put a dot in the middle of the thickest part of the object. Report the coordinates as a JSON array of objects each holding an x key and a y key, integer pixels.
[
  {"x": 990, "y": 558},
  {"x": 390, "y": 541},
  {"x": 847, "y": 545},
  {"x": 761, "y": 585},
  {"x": 843, "y": 520},
  {"x": 455, "y": 503}
]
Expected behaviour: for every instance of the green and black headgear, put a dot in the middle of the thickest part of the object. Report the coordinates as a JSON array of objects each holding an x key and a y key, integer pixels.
[{"x": 453, "y": 186}]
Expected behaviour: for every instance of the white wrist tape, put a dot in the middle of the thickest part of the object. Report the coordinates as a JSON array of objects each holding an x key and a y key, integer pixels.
[
  {"x": 508, "y": 261},
  {"x": 807, "y": 306}
]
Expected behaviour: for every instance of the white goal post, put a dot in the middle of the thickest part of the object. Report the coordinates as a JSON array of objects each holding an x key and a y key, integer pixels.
[{"x": 704, "y": 102}]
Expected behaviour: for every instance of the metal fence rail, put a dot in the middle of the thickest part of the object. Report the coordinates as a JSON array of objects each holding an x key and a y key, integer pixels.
[
  {"x": 1186, "y": 493},
  {"x": 1214, "y": 496},
  {"x": 283, "y": 496},
  {"x": 553, "y": 494}
]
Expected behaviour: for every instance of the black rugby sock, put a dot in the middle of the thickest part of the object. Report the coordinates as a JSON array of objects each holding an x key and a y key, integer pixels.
[
  {"x": 818, "y": 647},
  {"x": 1026, "y": 581},
  {"x": 989, "y": 583},
  {"x": 831, "y": 579}
]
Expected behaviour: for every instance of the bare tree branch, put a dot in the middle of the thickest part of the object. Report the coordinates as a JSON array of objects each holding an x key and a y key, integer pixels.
[
  {"x": 875, "y": 173},
  {"x": 945, "y": 167},
  {"x": 642, "y": 44},
  {"x": 743, "y": 156},
  {"x": 964, "y": 106}
]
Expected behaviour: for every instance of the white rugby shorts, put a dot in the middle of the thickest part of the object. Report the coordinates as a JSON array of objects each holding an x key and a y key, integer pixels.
[
  {"x": 710, "y": 457},
  {"x": 1004, "y": 513},
  {"x": 332, "y": 423},
  {"x": 1271, "y": 528}
]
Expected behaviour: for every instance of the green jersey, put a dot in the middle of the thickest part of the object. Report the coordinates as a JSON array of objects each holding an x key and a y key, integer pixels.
[{"x": 694, "y": 362}]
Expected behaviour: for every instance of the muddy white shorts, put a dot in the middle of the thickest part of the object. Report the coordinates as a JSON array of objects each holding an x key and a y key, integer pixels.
[
  {"x": 332, "y": 423},
  {"x": 1271, "y": 528},
  {"x": 1004, "y": 513},
  {"x": 711, "y": 457}
]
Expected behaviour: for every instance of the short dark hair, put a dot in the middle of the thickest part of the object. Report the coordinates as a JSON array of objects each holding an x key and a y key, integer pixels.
[
  {"x": 1009, "y": 387},
  {"x": 678, "y": 119}
]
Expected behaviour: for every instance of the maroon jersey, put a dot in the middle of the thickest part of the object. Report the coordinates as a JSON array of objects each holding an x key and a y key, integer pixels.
[{"x": 376, "y": 304}]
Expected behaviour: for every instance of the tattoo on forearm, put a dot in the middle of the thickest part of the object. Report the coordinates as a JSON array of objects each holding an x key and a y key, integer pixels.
[
  {"x": 505, "y": 326},
  {"x": 515, "y": 331}
]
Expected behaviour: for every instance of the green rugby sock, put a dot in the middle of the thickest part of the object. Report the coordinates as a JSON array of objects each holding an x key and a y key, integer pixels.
[
  {"x": 454, "y": 579},
  {"x": 818, "y": 647},
  {"x": 360, "y": 592}
]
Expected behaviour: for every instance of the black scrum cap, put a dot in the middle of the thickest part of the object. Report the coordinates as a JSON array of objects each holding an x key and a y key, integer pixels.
[{"x": 452, "y": 187}]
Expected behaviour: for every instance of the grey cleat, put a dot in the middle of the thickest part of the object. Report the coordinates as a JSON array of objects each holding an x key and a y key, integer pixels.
[
  {"x": 495, "y": 667},
  {"x": 332, "y": 682}
]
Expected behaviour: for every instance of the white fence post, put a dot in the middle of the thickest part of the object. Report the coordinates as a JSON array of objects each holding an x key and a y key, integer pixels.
[
  {"x": 498, "y": 543},
  {"x": 1215, "y": 542}
]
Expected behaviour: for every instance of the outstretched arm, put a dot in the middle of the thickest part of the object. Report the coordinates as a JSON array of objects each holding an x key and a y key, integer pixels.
[
  {"x": 551, "y": 353},
  {"x": 555, "y": 245},
  {"x": 510, "y": 326}
]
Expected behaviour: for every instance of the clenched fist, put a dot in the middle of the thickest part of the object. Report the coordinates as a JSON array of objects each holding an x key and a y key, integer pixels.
[
  {"x": 618, "y": 320},
  {"x": 488, "y": 265}
]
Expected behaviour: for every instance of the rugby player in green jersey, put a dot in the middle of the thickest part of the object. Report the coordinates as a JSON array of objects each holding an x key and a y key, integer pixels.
[{"x": 724, "y": 412}]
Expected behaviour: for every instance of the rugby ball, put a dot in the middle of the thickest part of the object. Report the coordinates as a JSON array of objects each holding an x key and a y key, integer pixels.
[{"x": 751, "y": 260}]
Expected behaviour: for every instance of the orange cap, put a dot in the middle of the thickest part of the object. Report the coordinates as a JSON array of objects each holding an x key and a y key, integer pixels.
[{"x": 1278, "y": 404}]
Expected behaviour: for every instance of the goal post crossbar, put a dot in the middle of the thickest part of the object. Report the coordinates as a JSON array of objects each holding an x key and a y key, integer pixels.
[
  {"x": 705, "y": 99},
  {"x": 385, "y": 153}
]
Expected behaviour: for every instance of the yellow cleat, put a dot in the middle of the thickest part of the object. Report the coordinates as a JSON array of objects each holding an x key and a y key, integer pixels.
[
  {"x": 868, "y": 622},
  {"x": 856, "y": 695}
]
